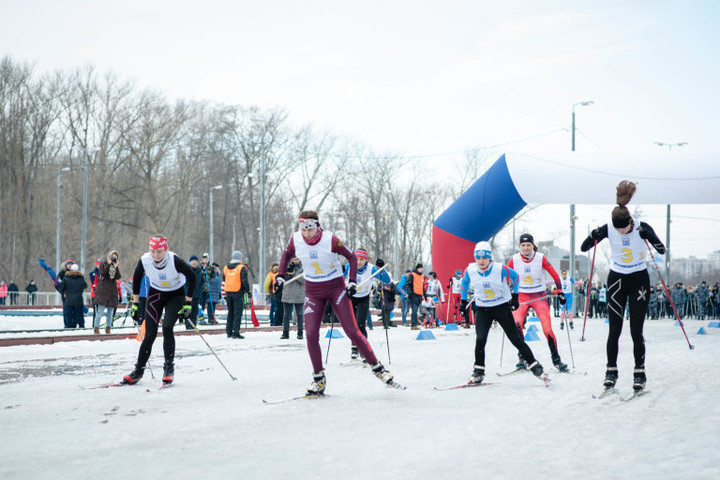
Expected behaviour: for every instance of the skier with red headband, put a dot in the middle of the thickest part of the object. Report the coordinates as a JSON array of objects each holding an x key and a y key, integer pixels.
[
  {"x": 318, "y": 251},
  {"x": 167, "y": 274},
  {"x": 361, "y": 299},
  {"x": 529, "y": 264}
]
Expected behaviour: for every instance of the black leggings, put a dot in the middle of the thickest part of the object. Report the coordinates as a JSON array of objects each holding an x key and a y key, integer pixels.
[
  {"x": 484, "y": 317},
  {"x": 158, "y": 301},
  {"x": 361, "y": 307},
  {"x": 623, "y": 288}
]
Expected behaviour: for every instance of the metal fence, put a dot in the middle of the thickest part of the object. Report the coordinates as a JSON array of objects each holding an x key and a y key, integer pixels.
[{"x": 38, "y": 299}]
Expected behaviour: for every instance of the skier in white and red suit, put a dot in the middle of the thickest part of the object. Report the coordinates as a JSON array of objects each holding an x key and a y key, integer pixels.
[
  {"x": 529, "y": 264},
  {"x": 318, "y": 251}
]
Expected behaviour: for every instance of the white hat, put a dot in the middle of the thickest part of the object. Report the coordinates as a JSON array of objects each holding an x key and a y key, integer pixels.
[{"x": 483, "y": 250}]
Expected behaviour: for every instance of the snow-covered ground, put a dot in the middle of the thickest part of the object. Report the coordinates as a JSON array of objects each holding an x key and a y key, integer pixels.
[{"x": 208, "y": 426}]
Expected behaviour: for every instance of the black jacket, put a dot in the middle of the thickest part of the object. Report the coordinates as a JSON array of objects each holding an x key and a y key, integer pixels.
[{"x": 72, "y": 288}]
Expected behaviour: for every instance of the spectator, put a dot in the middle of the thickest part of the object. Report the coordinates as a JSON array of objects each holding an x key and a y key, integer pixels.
[
  {"x": 93, "y": 277},
  {"x": 13, "y": 293},
  {"x": 388, "y": 291},
  {"x": 71, "y": 287},
  {"x": 275, "y": 297},
  {"x": 678, "y": 296},
  {"x": 293, "y": 298},
  {"x": 31, "y": 289},
  {"x": 197, "y": 295},
  {"x": 454, "y": 285},
  {"x": 209, "y": 273},
  {"x": 3, "y": 292},
  {"x": 106, "y": 292},
  {"x": 404, "y": 299},
  {"x": 653, "y": 305},
  {"x": 214, "y": 293},
  {"x": 416, "y": 287},
  {"x": 434, "y": 288},
  {"x": 703, "y": 296},
  {"x": 237, "y": 287},
  {"x": 602, "y": 300}
]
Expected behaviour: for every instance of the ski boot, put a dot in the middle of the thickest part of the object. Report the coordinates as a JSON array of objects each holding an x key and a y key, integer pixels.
[
  {"x": 536, "y": 368},
  {"x": 317, "y": 387},
  {"x": 134, "y": 376},
  {"x": 168, "y": 372},
  {"x": 478, "y": 374},
  {"x": 522, "y": 364},
  {"x": 562, "y": 324},
  {"x": 611, "y": 376},
  {"x": 380, "y": 372},
  {"x": 285, "y": 336},
  {"x": 354, "y": 353},
  {"x": 572, "y": 327},
  {"x": 559, "y": 364},
  {"x": 639, "y": 379}
]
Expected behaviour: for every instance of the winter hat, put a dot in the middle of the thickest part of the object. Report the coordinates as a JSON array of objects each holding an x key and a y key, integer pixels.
[
  {"x": 74, "y": 267},
  {"x": 206, "y": 255},
  {"x": 526, "y": 237},
  {"x": 418, "y": 266},
  {"x": 483, "y": 250},
  {"x": 236, "y": 255},
  {"x": 193, "y": 257}
]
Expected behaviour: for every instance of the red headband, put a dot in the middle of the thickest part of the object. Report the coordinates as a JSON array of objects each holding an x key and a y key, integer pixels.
[
  {"x": 158, "y": 243},
  {"x": 362, "y": 254}
]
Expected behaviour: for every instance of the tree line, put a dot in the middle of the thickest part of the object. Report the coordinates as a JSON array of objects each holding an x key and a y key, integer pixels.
[{"x": 152, "y": 163}]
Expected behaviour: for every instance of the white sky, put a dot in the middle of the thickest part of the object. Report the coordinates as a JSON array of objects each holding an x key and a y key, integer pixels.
[{"x": 418, "y": 77}]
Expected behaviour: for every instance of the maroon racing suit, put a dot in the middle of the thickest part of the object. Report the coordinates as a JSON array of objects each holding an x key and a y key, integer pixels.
[{"x": 319, "y": 293}]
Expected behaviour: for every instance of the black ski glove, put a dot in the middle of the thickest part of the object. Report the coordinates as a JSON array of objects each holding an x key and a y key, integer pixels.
[
  {"x": 379, "y": 263},
  {"x": 514, "y": 303},
  {"x": 351, "y": 289},
  {"x": 561, "y": 298}
]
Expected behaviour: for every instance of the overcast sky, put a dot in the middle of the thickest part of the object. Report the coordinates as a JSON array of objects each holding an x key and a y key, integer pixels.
[{"x": 418, "y": 77}]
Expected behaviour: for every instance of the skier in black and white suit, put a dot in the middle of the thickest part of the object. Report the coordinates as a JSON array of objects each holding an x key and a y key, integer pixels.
[{"x": 628, "y": 281}]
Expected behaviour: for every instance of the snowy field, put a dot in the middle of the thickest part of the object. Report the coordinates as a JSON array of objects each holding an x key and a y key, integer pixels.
[{"x": 208, "y": 426}]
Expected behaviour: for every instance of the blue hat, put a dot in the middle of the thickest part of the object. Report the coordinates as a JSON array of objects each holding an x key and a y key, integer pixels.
[{"x": 193, "y": 257}]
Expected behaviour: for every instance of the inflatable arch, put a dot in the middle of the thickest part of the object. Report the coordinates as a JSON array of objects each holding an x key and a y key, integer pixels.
[{"x": 515, "y": 180}]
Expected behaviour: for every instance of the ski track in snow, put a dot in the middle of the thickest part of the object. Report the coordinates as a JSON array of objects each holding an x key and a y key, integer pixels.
[{"x": 208, "y": 426}]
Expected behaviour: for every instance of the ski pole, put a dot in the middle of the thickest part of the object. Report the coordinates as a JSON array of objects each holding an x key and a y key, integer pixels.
[
  {"x": 502, "y": 348},
  {"x": 332, "y": 325},
  {"x": 587, "y": 299},
  {"x": 544, "y": 297},
  {"x": 385, "y": 323},
  {"x": 211, "y": 349},
  {"x": 447, "y": 311},
  {"x": 567, "y": 329},
  {"x": 667, "y": 292},
  {"x": 371, "y": 276}
]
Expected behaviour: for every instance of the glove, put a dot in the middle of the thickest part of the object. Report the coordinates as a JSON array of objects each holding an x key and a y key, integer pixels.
[
  {"x": 246, "y": 300},
  {"x": 514, "y": 303},
  {"x": 561, "y": 298},
  {"x": 279, "y": 281},
  {"x": 464, "y": 310},
  {"x": 596, "y": 234},
  {"x": 185, "y": 311},
  {"x": 135, "y": 312},
  {"x": 380, "y": 263},
  {"x": 351, "y": 289}
]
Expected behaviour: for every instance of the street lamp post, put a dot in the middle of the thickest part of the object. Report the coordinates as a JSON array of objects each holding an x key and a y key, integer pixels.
[
  {"x": 84, "y": 211},
  {"x": 57, "y": 233},
  {"x": 212, "y": 232},
  {"x": 667, "y": 217},
  {"x": 572, "y": 206},
  {"x": 261, "y": 248}
]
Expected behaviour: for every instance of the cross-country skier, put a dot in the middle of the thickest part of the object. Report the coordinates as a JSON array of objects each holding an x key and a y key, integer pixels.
[
  {"x": 493, "y": 301},
  {"x": 529, "y": 264},
  {"x": 167, "y": 274},
  {"x": 318, "y": 251},
  {"x": 566, "y": 309},
  {"x": 628, "y": 281},
  {"x": 361, "y": 299}
]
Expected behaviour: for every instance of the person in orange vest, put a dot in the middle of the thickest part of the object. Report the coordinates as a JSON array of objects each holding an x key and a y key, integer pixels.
[
  {"x": 236, "y": 287},
  {"x": 416, "y": 286}
]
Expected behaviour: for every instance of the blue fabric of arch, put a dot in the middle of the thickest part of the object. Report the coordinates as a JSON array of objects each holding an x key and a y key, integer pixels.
[{"x": 485, "y": 207}]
